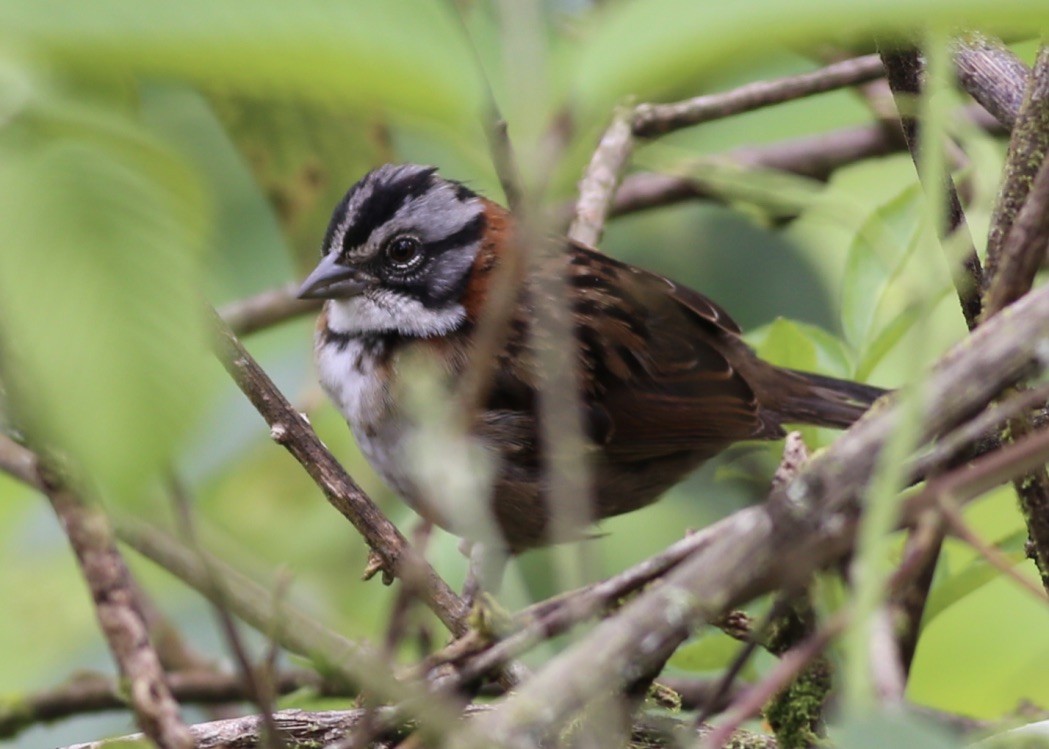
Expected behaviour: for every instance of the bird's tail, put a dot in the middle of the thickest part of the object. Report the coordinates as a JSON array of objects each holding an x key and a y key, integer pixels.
[{"x": 807, "y": 398}]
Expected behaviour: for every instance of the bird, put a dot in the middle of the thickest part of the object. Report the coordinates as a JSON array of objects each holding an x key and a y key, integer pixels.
[{"x": 665, "y": 379}]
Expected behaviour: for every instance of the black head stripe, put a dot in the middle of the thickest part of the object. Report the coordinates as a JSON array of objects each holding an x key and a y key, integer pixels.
[
  {"x": 469, "y": 234},
  {"x": 336, "y": 218},
  {"x": 464, "y": 193},
  {"x": 384, "y": 201}
]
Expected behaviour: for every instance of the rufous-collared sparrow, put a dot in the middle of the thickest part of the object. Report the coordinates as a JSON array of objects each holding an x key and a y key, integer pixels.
[{"x": 666, "y": 380}]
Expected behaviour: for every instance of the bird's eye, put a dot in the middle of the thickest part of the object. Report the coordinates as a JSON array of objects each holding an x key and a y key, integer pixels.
[{"x": 404, "y": 251}]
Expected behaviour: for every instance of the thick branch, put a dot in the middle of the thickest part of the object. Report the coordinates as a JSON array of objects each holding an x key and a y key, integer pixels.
[
  {"x": 1016, "y": 245},
  {"x": 1028, "y": 146},
  {"x": 330, "y": 727},
  {"x": 807, "y": 525},
  {"x": 1024, "y": 249},
  {"x": 991, "y": 74}
]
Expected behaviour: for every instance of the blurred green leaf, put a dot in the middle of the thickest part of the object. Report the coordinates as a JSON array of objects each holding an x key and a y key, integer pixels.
[
  {"x": 889, "y": 729},
  {"x": 103, "y": 338},
  {"x": 631, "y": 48},
  {"x": 405, "y": 56},
  {"x": 299, "y": 156}
]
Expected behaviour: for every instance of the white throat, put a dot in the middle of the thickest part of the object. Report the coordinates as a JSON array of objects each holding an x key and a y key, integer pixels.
[{"x": 382, "y": 311}]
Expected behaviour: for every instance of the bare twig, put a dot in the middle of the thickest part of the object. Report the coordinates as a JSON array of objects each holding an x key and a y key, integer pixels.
[
  {"x": 369, "y": 726},
  {"x": 657, "y": 119},
  {"x": 601, "y": 179},
  {"x": 904, "y": 72},
  {"x": 297, "y": 727},
  {"x": 397, "y": 625},
  {"x": 702, "y": 694},
  {"x": 293, "y": 432},
  {"x": 112, "y": 593},
  {"x": 267, "y": 308},
  {"x": 761, "y": 634},
  {"x": 251, "y": 602},
  {"x": 994, "y": 557},
  {"x": 91, "y": 693},
  {"x": 886, "y": 664},
  {"x": 814, "y": 156},
  {"x": 786, "y": 670},
  {"x": 335, "y": 656},
  {"x": 19, "y": 462},
  {"x": 982, "y": 432},
  {"x": 921, "y": 552},
  {"x": 790, "y": 620},
  {"x": 555, "y": 616},
  {"x": 174, "y": 650},
  {"x": 981, "y": 475}
]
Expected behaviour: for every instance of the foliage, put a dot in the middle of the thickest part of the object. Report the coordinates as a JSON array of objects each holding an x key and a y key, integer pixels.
[{"x": 154, "y": 155}]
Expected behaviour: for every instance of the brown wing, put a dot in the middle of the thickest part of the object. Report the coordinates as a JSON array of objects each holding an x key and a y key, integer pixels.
[
  {"x": 658, "y": 362},
  {"x": 656, "y": 357}
]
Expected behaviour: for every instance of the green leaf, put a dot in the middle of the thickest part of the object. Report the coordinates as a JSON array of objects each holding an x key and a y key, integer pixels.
[
  {"x": 786, "y": 344},
  {"x": 885, "y": 340},
  {"x": 104, "y": 347},
  {"x": 879, "y": 250},
  {"x": 711, "y": 651},
  {"x": 798, "y": 345},
  {"x": 952, "y": 588}
]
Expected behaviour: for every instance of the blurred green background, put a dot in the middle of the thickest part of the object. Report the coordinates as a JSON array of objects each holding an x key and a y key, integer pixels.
[{"x": 153, "y": 154}]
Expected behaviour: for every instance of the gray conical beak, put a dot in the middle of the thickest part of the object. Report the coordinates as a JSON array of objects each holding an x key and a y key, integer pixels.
[{"x": 330, "y": 280}]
